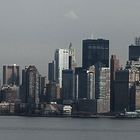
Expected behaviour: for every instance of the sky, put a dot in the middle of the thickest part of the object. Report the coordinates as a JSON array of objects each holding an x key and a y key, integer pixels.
[{"x": 31, "y": 30}]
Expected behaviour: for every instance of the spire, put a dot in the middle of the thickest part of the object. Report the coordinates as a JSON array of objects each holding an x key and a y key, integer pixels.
[{"x": 70, "y": 46}]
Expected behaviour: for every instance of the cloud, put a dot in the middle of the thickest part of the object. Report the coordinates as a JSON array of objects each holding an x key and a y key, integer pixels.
[{"x": 71, "y": 15}]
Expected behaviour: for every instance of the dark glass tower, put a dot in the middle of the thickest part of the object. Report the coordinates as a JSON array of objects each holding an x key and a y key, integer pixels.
[
  {"x": 114, "y": 66},
  {"x": 95, "y": 51},
  {"x": 134, "y": 52}
]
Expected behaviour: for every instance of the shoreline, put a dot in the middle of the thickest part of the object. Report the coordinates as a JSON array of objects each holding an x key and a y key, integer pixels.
[{"x": 72, "y": 116}]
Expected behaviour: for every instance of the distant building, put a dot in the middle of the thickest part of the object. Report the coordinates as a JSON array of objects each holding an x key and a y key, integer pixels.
[
  {"x": 62, "y": 63},
  {"x": 85, "y": 83},
  {"x": 102, "y": 82},
  {"x": 30, "y": 85},
  {"x": 102, "y": 89},
  {"x": 9, "y": 94},
  {"x": 11, "y": 75},
  {"x": 135, "y": 97},
  {"x": 68, "y": 84},
  {"x": 42, "y": 84},
  {"x": 134, "y": 52},
  {"x": 72, "y": 57},
  {"x": 95, "y": 51},
  {"x": 42, "y": 88},
  {"x": 52, "y": 72},
  {"x": 124, "y": 82},
  {"x": 114, "y": 66},
  {"x": 84, "y": 107},
  {"x": 53, "y": 92},
  {"x": 137, "y": 41}
]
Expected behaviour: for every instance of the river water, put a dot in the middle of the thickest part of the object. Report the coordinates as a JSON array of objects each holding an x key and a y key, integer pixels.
[{"x": 37, "y": 128}]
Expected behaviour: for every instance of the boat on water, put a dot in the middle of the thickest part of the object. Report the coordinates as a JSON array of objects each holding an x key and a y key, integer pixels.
[{"x": 128, "y": 115}]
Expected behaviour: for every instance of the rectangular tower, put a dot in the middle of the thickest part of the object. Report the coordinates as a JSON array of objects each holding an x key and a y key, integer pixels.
[
  {"x": 62, "y": 63},
  {"x": 11, "y": 75},
  {"x": 95, "y": 51},
  {"x": 114, "y": 66}
]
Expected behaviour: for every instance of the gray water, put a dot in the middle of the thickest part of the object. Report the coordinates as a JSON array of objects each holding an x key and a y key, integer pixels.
[{"x": 37, "y": 128}]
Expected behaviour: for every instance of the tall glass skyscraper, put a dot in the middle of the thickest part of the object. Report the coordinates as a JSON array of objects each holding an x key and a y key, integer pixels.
[
  {"x": 134, "y": 50},
  {"x": 62, "y": 63},
  {"x": 95, "y": 51}
]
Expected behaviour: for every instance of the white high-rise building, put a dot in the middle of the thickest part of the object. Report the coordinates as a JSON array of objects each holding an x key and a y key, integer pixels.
[
  {"x": 62, "y": 63},
  {"x": 137, "y": 41}
]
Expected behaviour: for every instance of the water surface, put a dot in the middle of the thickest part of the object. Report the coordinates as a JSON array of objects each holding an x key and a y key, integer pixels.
[{"x": 37, "y": 128}]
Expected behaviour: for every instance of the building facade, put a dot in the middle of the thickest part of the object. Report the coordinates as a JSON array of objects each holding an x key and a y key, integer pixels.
[
  {"x": 114, "y": 66},
  {"x": 62, "y": 63},
  {"x": 85, "y": 83},
  {"x": 30, "y": 85},
  {"x": 102, "y": 89},
  {"x": 68, "y": 84},
  {"x": 95, "y": 51},
  {"x": 11, "y": 75},
  {"x": 72, "y": 57},
  {"x": 124, "y": 82},
  {"x": 134, "y": 52},
  {"x": 52, "y": 72}
]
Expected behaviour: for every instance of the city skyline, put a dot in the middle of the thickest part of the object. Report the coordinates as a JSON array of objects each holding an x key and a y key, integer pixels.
[{"x": 32, "y": 30}]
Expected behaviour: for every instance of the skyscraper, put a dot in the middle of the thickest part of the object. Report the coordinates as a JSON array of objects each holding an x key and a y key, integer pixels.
[
  {"x": 102, "y": 82},
  {"x": 95, "y": 51},
  {"x": 62, "y": 63},
  {"x": 52, "y": 72},
  {"x": 114, "y": 66},
  {"x": 85, "y": 83},
  {"x": 124, "y": 82},
  {"x": 102, "y": 89},
  {"x": 11, "y": 75},
  {"x": 134, "y": 50},
  {"x": 31, "y": 85},
  {"x": 72, "y": 59},
  {"x": 67, "y": 84}
]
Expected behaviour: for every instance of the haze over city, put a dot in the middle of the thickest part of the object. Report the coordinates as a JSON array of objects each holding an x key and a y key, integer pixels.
[{"x": 31, "y": 30}]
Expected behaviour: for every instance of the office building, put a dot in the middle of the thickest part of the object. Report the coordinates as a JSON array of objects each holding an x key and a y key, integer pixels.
[
  {"x": 11, "y": 75},
  {"x": 137, "y": 41},
  {"x": 72, "y": 57},
  {"x": 134, "y": 50},
  {"x": 124, "y": 82},
  {"x": 52, "y": 72},
  {"x": 85, "y": 83},
  {"x": 30, "y": 85},
  {"x": 102, "y": 89},
  {"x": 102, "y": 82},
  {"x": 53, "y": 92},
  {"x": 68, "y": 84},
  {"x": 62, "y": 63},
  {"x": 135, "y": 97},
  {"x": 95, "y": 51},
  {"x": 42, "y": 88},
  {"x": 9, "y": 94},
  {"x": 114, "y": 66}
]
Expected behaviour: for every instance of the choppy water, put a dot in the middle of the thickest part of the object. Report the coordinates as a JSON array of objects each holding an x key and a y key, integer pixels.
[{"x": 37, "y": 128}]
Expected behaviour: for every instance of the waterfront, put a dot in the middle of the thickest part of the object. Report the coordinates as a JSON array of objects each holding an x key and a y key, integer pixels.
[{"x": 34, "y": 128}]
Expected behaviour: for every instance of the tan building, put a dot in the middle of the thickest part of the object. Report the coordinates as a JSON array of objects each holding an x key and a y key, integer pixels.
[{"x": 11, "y": 75}]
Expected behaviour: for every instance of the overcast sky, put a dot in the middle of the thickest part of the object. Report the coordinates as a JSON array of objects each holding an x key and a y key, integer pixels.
[{"x": 31, "y": 30}]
